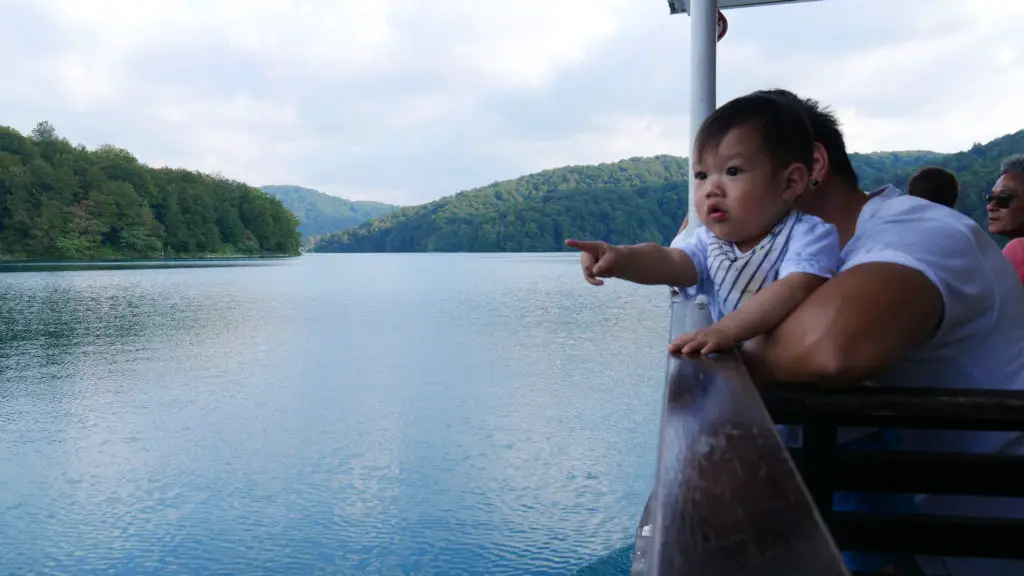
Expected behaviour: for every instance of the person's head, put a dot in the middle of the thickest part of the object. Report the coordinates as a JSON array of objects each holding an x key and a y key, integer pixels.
[
  {"x": 752, "y": 159},
  {"x": 1004, "y": 204},
  {"x": 831, "y": 161},
  {"x": 935, "y": 185}
]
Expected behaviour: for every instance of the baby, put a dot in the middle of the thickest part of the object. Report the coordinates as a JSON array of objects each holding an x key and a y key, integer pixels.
[{"x": 756, "y": 258}]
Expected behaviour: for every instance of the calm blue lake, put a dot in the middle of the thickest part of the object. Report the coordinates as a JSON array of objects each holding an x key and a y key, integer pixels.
[{"x": 432, "y": 414}]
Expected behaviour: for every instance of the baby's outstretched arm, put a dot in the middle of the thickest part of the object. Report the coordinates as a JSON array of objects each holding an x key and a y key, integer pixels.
[
  {"x": 639, "y": 263},
  {"x": 758, "y": 315}
]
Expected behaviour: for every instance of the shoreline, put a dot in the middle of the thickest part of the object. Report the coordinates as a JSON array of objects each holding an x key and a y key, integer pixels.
[{"x": 202, "y": 258}]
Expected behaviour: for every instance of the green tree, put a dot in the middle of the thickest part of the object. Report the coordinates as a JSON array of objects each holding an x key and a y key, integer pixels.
[{"x": 62, "y": 201}]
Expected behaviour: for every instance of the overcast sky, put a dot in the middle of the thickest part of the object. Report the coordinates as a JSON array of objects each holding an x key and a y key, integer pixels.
[{"x": 405, "y": 101}]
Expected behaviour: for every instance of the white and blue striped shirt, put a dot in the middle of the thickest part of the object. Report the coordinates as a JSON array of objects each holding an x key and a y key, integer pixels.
[{"x": 728, "y": 277}]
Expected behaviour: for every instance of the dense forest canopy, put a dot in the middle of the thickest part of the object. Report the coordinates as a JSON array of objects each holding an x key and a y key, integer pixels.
[
  {"x": 531, "y": 213},
  {"x": 320, "y": 213},
  {"x": 61, "y": 201},
  {"x": 634, "y": 200}
]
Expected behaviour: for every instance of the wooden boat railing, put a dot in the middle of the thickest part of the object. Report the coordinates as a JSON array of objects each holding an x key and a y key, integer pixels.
[
  {"x": 731, "y": 499},
  {"x": 728, "y": 499}
]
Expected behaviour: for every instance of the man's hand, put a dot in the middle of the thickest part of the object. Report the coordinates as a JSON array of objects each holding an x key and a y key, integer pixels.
[
  {"x": 597, "y": 259},
  {"x": 714, "y": 338}
]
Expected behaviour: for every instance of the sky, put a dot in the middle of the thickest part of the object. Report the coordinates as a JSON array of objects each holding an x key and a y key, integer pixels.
[{"x": 405, "y": 101}]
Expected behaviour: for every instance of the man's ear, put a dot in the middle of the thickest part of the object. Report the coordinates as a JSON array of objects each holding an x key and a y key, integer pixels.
[
  {"x": 795, "y": 182},
  {"x": 819, "y": 165}
]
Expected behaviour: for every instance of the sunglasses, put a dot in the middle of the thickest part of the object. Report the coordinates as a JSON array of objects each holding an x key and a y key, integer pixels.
[{"x": 1002, "y": 201}]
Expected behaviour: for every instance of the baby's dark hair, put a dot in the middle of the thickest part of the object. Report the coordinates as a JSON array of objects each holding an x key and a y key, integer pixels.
[{"x": 786, "y": 136}]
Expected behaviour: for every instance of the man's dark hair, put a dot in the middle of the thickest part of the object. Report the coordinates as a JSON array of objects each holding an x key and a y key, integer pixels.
[
  {"x": 935, "y": 184},
  {"x": 786, "y": 136},
  {"x": 825, "y": 127}
]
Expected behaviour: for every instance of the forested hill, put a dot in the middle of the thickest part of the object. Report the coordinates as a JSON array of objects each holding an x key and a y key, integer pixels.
[
  {"x": 635, "y": 200},
  {"x": 320, "y": 213},
  {"x": 61, "y": 201},
  {"x": 631, "y": 198}
]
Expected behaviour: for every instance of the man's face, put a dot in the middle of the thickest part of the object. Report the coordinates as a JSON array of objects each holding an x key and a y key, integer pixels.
[{"x": 1006, "y": 207}]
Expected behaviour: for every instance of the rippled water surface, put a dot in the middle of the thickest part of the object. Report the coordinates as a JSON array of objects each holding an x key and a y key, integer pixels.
[{"x": 332, "y": 414}]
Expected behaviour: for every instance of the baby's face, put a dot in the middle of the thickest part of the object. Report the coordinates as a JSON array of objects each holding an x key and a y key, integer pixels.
[{"x": 740, "y": 196}]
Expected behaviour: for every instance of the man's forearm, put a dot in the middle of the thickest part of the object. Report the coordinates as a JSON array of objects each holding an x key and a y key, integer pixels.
[
  {"x": 845, "y": 332},
  {"x": 769, "y": 360}
]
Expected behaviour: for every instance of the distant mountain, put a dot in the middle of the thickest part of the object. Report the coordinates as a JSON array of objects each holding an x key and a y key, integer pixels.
[
  {"x": 634, "y": 200},
  {"x": 321, "y": 213},
  {"x": 534, "y": 212}
]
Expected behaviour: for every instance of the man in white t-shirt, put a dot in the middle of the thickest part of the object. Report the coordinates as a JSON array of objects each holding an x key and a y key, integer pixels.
[{"x": 923, "y": 298}]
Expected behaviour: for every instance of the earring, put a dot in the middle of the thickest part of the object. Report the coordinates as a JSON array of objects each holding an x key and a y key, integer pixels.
[{"x": 815, "y": 182}]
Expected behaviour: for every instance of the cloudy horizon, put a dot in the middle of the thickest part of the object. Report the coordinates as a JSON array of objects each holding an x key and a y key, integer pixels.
[{"x": 405, "y": 101}]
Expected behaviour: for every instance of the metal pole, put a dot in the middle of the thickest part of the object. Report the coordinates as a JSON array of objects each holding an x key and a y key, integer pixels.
[
  {"x": 703, "y": 48},
  {"x": 688, "y": 316}
]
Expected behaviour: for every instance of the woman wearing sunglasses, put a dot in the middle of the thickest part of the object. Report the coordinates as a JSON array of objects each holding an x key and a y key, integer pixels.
[{"x": 1006, "y": 210}]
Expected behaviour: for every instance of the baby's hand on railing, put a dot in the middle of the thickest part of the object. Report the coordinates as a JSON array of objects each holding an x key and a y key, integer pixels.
[{"x": 714, "y": 338}]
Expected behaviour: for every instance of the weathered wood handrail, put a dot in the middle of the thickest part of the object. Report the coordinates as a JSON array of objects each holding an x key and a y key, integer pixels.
[{"x": 728, "y": 499}]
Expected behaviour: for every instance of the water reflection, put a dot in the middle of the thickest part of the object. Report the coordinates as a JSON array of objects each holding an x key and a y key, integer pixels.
[
  {"x": 615, "y": 563},
  {"x": 345, "y": 414}
]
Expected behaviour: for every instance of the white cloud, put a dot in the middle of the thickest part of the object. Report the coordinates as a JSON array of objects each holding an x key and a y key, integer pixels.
[
  {"x": 612, "y": 138},
  {"x": 408, "y": 100},
  {"x": 523, "y": 44},
  {"x": 943, "y": 85}
]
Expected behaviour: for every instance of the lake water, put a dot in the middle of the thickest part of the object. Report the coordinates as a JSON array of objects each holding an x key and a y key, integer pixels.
[{"x": 432, "y": 414}]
